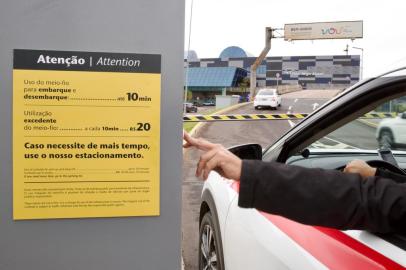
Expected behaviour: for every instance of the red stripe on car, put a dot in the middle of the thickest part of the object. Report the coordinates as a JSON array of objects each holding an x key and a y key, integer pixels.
[{"x": 331, "y": 247}]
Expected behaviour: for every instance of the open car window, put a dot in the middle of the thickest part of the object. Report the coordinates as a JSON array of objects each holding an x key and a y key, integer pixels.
[{"x": 384, "y": 127}]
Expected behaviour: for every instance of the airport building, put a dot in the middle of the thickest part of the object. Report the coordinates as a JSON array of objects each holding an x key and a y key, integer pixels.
[{"x": 230, "y": 72}]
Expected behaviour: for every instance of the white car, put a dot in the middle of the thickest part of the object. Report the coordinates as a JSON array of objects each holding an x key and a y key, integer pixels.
[
  {"x": 234, "y": 238},
  {"x": 391, "y": 133},
  {"x": 267, "y": 98}
]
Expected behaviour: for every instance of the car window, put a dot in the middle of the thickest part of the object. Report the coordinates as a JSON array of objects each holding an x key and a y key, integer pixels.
[
  {"x": 382, "y": 127},
  {"x": 268, "y": 92}
]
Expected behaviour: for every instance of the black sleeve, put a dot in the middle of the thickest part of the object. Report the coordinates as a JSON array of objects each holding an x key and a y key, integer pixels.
[
  {"x": 393, "y": 176},
  {"x": 324, "y": 197}
]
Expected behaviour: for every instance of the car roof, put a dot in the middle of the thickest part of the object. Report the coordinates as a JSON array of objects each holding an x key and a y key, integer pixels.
[
  {"x": 267, "y": 90},
  {"x": 396, "y": 72},
  {"x": 273, "y": 89}
]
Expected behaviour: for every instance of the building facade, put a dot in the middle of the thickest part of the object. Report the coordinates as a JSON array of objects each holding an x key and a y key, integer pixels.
[{"x": 318, "y": 72}]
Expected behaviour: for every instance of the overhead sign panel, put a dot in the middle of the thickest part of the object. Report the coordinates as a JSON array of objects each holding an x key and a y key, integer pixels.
[{"x": 324, "y": 30}]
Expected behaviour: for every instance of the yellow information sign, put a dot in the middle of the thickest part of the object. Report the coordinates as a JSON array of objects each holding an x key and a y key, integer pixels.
[{"x": 86, "y": 134}]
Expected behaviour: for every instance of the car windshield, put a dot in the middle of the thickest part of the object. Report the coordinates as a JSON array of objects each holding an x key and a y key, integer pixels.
[
  {"x": 383, "y": 127},
  {"x": 268, "y": 92}
]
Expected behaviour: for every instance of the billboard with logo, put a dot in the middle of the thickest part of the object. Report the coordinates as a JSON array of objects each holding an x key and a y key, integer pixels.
[{"x": 324, "y": 30}]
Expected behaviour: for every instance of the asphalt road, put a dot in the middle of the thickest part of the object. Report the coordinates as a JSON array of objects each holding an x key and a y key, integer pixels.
[
  {"x": 263, "y": 132},
  {"x": 357, "y": 135}
]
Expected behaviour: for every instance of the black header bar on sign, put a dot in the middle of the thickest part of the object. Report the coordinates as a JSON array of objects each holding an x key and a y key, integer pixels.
[{"x": 87, "y": 61}]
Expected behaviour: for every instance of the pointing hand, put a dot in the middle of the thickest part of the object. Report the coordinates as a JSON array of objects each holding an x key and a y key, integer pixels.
[{"x": 215, "y": 157}]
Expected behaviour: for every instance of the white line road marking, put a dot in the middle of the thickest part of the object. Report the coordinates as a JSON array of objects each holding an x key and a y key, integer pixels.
[
  {"x": 295, "y": 100},
  {"x": 338, "y": 145},
  {"x": 328, "y": 138},
  {"x": 289, "y": 121},
  {"x": 315, "y": 105}
]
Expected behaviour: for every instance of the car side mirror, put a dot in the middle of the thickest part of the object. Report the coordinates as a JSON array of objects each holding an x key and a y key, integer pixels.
[{"x": 247, "y": 151}]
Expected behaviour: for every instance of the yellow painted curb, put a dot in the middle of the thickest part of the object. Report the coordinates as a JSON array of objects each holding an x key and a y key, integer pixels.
[
  {"x": 370, "y": 124},
  {"x": 243, "y": 117},
  {"x": 227, "y": 109}
]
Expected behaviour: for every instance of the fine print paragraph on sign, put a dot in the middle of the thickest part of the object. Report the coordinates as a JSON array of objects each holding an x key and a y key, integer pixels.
[{"x": 86, "y": 129}]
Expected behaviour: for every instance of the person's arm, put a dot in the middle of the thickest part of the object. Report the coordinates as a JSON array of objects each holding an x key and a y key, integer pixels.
[
  {"x": 311, "y": 196},
  {"x": 362, "y": 168},
  {"x": 324, "y": 197},
  {"x": 393, "y": 176}
]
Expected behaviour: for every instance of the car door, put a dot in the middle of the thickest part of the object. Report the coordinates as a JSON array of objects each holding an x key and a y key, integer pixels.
[
  {"x": 257, "y": 240},
  {"x": 253, "y": 241}
]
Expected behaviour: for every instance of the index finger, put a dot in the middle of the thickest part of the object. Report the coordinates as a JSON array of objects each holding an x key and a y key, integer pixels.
[{"x": 200, "y": 143}]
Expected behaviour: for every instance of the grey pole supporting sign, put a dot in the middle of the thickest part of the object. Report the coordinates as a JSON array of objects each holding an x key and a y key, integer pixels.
[{"x": 88, "y": 115}]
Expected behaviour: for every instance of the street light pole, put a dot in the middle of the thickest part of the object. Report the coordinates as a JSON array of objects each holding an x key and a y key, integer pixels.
[
  {"x": 362, "y": 62},
  {"x": 346, "y": 50},
  {"x": 277, "y": 82},
  {"x": 187, "y": 58}
]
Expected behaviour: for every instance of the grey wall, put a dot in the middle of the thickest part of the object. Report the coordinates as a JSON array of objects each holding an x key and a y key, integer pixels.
[{"x": 133, "y": 26}]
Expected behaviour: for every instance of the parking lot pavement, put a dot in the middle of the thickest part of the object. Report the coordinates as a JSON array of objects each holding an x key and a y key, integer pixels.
[
  {"x": 228, "y": 134},
  {"x": 265, "y": 133},
  {"x": 312, "y": 94}
]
